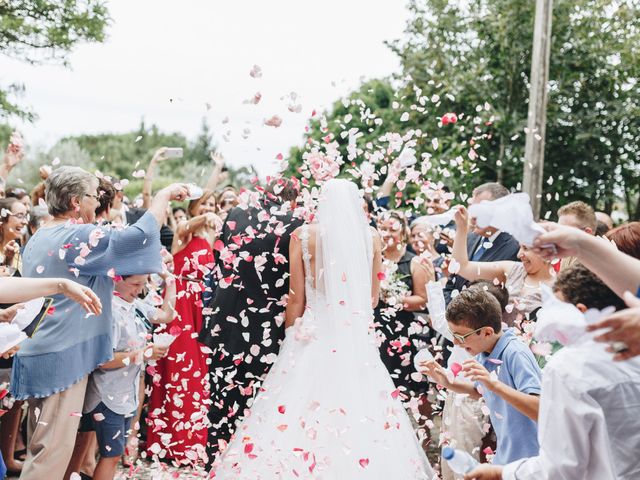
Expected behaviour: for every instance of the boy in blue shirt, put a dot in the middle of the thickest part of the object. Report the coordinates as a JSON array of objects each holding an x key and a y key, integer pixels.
[{"x": 504, "y": 372}]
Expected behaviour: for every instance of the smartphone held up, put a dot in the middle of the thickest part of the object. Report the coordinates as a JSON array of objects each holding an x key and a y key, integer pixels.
[{"x": 176, "y": 152}]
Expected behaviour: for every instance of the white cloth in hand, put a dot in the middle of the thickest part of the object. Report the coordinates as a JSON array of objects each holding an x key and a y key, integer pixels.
[{"x": 511, "y": 214}]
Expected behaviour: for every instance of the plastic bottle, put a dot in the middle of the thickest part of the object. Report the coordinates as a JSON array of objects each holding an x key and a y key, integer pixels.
[{"x": 459, "y": 461}]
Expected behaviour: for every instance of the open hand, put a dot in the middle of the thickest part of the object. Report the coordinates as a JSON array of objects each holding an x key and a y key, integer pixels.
[
  {"x": 82, "y": 295},
  {"x": 436, "y": 371},
  {"x": 478, "y": 373},
  {"x": 217, "y": 158}
]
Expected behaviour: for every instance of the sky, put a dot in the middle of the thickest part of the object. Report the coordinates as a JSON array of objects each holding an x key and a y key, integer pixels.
[{"x": 175, "y": 62}]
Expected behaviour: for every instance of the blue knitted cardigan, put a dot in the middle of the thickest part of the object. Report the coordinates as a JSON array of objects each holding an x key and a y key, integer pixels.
[{"x": 69, "y": 344}]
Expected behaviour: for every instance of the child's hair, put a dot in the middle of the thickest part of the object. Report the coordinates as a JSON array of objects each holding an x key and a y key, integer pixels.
[
  {"x": 475, "y": 308},
  {"x": 578, "y": 284},
  {"x": 498, "y": 291}
]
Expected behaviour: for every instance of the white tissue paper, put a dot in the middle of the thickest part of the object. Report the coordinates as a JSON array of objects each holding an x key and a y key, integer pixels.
[
  {"x": 511, "y": 214},
  {"x": 25, "y": 315},
  {"x": 163, "y": 339},
  {"x": 439, "y": 219},
  {"x": 437, "y": 312},
  {"x": 407, "y": 157},
  {"x": 437, "y": 308},
  {"x": 562, "y": 322},
  {"x": 10, "y": 336}
]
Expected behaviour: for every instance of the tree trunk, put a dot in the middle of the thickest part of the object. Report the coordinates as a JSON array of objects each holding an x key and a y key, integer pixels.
[{"x": 627, "y": 202}]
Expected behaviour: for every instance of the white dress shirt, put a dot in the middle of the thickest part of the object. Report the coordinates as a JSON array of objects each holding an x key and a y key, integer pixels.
[{"x": 589, "y": 421}]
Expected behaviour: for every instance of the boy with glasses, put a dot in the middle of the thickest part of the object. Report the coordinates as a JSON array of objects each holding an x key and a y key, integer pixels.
[
  {"x": 589, "y": 423},
  {"x": 504, "y": 372}
]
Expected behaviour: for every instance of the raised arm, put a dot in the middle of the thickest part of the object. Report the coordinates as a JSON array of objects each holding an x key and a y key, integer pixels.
[
  {"x": 147, "y": 184},
  {"x": 619, "y": 271},
  {"x": 167, "y": 312},
  {"x": 392, "y": 176},
  {"x": 296, "y": 299},
  {"x": 216, "y": 173},
  {"x": 473, "y": 271},
  {"x": 12, "y": 157},
  {"x": 188, "y": 227},
  {"x": 160, "y": 203},
  {"x": 17, "y": 289}
]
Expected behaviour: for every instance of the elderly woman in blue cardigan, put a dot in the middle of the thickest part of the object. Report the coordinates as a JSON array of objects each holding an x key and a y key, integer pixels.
[{"x": 52, "y": 368}]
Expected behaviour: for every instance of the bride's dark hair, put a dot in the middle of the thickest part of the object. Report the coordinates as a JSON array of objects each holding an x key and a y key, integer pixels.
[{"x": 287, "y": 189}]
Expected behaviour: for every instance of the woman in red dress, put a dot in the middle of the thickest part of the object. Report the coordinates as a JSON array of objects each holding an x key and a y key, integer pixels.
[{"x": 177, "y": 422}]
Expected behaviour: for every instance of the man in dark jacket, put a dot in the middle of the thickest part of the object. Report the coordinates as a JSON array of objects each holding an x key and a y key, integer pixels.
[{"x": 244, "y": 324}]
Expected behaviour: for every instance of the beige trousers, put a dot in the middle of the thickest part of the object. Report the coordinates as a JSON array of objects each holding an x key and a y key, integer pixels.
[
  {"x": 52, "y": 429},
  {"x": 462, "y": 422}
]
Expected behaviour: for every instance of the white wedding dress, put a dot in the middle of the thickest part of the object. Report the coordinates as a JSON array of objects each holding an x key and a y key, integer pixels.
[{"x": 328, "y": 409}]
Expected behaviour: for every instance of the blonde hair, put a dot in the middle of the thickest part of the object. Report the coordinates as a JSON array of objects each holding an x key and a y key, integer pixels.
[
  {"x": 192, "y": 209},
  {"x": 585, "y": 215},
  {"x": 399, "y": 216}
]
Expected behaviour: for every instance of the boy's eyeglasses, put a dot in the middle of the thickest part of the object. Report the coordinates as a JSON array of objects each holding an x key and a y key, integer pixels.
[{"x": 462, "y": 338}]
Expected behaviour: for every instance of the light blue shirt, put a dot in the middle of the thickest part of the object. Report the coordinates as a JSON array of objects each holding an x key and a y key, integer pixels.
[
  {"x": 515, "y": 366},
  {"x": 70, "y": 344}
]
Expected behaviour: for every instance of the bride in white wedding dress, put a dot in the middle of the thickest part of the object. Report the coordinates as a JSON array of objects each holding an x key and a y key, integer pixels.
[{"x": 328, "y": 409}]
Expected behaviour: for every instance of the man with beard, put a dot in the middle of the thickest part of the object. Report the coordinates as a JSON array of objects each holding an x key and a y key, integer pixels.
[{"x": 244, "y": 323}]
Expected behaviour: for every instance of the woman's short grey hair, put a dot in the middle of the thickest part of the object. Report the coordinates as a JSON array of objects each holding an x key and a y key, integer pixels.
[
  {"x": 63, "y": 184},
  {"x": 423, "y": 223}
]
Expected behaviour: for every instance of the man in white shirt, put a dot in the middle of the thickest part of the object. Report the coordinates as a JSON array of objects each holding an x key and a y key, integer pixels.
[{"x": 589, "y": 423}]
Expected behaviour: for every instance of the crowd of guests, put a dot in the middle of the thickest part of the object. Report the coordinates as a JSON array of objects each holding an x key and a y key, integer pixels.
[{"x": 126, "y": 364}]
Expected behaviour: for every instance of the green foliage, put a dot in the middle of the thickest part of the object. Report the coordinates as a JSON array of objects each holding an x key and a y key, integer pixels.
[
  {"x": 467, "y": 55},
  {"x": 38, "y": 31},
  {"x": 203, "y": 146},
  {"x": 119, "y": 155}
]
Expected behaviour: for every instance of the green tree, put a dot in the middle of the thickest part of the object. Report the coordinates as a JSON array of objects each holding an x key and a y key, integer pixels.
[
  {"x": 122, "y": 154},
  {"x": 200, "y": 151},
  {"x": 39, "y": 31},
  {"x": 473, "y": 58}
]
